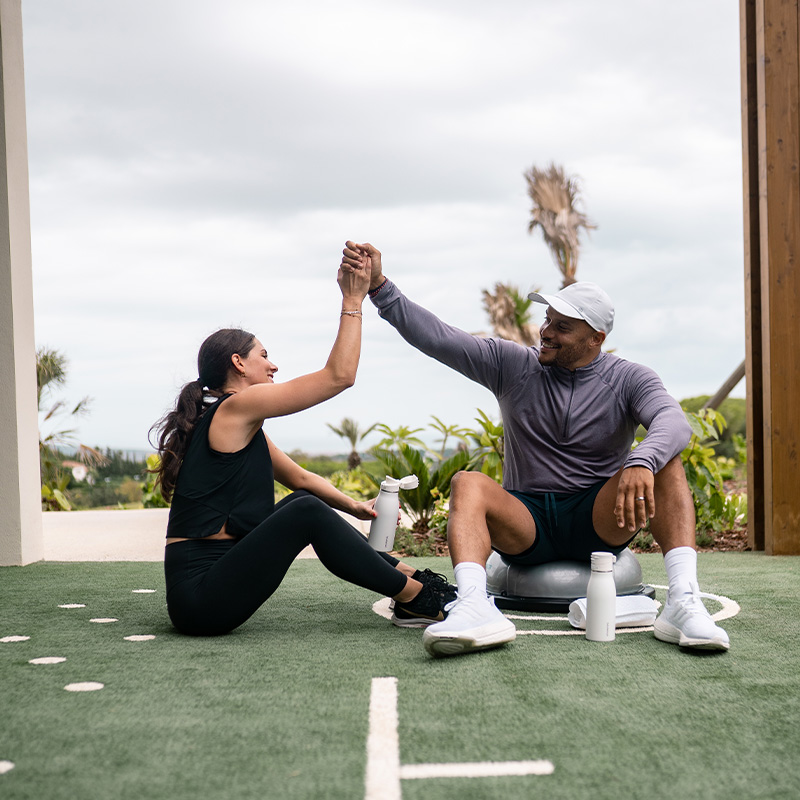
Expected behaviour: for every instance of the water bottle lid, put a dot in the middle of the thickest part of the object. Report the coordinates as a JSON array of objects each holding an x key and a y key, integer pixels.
[
  {"x": 396, "y": 484},
  {"x": 603, "y": 562}
]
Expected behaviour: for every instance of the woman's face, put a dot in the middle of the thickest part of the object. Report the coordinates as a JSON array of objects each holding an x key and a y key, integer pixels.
[{"x": 257, "y": 366}]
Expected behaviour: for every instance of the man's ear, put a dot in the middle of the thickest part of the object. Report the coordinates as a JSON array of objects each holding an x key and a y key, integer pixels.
[{"x": 598, "y": 337}]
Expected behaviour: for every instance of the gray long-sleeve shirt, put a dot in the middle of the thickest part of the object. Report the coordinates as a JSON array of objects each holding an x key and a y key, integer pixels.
[{"x": 564, "y": 430}]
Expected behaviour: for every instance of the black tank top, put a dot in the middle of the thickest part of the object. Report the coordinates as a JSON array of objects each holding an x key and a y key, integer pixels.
[{"x": 213, "y": 488}]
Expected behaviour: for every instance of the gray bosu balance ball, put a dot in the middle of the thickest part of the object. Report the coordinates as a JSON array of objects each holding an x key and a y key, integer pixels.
[{"x": 552, "y": 587}]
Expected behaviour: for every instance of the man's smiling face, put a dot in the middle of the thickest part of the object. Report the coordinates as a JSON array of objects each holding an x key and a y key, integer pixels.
[{"x": 568, "y": 342}]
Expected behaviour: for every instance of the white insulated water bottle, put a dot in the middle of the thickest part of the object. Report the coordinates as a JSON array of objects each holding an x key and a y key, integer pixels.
[
  {"x": 384, "y": 526},
  {"x": 601, "y": 599}
]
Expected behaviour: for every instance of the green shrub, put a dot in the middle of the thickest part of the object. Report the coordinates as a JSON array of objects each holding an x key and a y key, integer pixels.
[
  {"x": 151, "y": 491},
  {"x": 489, "y": 452},
  {"x": 734, "y": 412},
  {"x": 705, "y": 473},
  {"x": 434, "y": 479},
  {"x": 354, "y": 483}
]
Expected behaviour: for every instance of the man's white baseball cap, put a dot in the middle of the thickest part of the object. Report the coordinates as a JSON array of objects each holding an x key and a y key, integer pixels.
[{"x": 581, "y": 300}]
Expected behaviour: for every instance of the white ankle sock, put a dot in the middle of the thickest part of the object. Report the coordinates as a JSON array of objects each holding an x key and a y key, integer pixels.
[
  {"x": 681, "y": 566},
  {"x": 470, "y": 573}
]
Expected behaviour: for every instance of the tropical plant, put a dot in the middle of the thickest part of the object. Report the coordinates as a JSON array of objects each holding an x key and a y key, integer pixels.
[
  {"x": 714, "y": 508},
  {"x": 734, "y": 410},
  {"x": 509, "y": 314},
  {"x": 489, "y": 451},
  {"x": 354, "y": 482},
  {"x": 434, "y": 479},
  {"x": 448, "y": 431},
  {"x": 555, "y": 198},
  {"x": 394, "y": 438},
  {"x": 349, "y": 429},
  {"x": 51, "y": 373},
  {"x": 151, "y": 491}
]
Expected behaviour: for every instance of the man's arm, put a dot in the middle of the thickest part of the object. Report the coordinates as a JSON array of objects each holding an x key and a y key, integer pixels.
[
  {"x": 668, "y": 432},
  {"x": 478, "y": 359}
]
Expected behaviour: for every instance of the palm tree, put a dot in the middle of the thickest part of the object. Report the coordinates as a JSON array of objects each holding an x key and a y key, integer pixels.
[
  {"x": 51, "y": 372},
  {"x": 555, "y": 197},
  {"x": 395, "y": 438},
  {"x": 349, "y": 429},
  {"x": 509, "y": 313},
  {"x": 448, "y": 431}
]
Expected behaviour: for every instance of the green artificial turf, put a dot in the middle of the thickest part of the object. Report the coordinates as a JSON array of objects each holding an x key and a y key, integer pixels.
[{"x": 279, "y": 708}]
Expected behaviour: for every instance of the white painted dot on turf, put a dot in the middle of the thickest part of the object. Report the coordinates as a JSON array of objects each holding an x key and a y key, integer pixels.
[
  {"x": 48, "y": 660},
  {"x": 104, "y": 619},
  {"x": 86, "y": 686},
  {"x": 7, "y": 639},
  {"x": 72, "y": 605},
  {"x": 145, "y": 637},
  {"x": 6, "y": 766},
  {"x": 143, "y": 591}
]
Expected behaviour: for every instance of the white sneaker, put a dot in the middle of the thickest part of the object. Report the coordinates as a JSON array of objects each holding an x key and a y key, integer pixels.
[
  {"x": 473, "y": 623},
  {"x": 687, "y": 623}
]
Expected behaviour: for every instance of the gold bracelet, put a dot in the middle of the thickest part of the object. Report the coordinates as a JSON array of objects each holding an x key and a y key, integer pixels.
[{"x": 350, "y": 313}]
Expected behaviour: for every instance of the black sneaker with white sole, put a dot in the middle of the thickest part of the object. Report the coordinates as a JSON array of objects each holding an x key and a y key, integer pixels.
[
  {"x": 436, "y": 581},
  {"x": 425, "y": 609}
]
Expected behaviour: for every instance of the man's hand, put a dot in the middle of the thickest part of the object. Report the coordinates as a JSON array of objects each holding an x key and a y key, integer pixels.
[
  {"x": 355, "y": 255},
  {"x": 635, "y": 499}
]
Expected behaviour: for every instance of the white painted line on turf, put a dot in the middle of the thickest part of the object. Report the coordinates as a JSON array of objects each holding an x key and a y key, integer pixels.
[
  {"x": 143, "y": 591},
  {"x": 730, "y": 608},
  {"x": 7, "y": 639},
  {"x": 383, "y": 747},
  {"x": 86, "y": 686},
  {"x": 48, "y": 660},
  {"x": 139, "y": 637},
  {"x": 477, "y": 769},
  {"x": 72, "y": 605},
  {"x": 384, "y": 771},
  {"x": 6, "y": 766},
  {"x": 104, "y": 619},
  {"x": 381, "y": 607}
]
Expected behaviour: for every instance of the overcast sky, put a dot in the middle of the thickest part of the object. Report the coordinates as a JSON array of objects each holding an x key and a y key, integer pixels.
[{"x": 196, "y": 165}]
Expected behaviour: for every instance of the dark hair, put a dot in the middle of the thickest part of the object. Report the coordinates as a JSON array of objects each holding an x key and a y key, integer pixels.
[{"x": 176, "y": 427}]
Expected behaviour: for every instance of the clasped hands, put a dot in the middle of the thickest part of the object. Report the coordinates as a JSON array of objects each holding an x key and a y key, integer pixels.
[{"x": 356, "y": 256}]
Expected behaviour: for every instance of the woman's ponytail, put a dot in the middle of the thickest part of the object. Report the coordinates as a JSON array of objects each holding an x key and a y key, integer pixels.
[{"x": 176, "y": 427}]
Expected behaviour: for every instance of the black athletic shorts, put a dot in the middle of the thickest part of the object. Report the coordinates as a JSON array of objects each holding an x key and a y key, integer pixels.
[{"x": 564, "y": 528}]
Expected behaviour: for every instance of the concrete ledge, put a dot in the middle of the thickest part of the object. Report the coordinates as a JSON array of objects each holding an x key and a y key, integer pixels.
[{"x": 118, "y": 535}]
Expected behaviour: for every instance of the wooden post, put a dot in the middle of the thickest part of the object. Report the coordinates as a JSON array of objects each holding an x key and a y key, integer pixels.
[
  {"x": 771, "y": 140},
  {"x": 20, "y": 487}
]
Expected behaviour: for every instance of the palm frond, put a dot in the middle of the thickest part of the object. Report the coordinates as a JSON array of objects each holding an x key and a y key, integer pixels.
[
  {"x": 509, "y": 314},
  {"x": 555, "y": 198}
]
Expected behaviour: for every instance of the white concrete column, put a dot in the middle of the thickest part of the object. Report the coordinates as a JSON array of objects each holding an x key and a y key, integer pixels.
[{"x": 20, "y": 486}]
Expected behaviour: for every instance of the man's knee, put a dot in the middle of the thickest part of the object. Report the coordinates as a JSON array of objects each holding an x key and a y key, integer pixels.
[
  {"x": 468, "y": 486},
  {"x": 672, "y": 475}
]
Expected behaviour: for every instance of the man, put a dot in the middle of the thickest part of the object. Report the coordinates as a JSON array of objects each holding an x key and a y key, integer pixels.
[{"x": 571, "y": 483}]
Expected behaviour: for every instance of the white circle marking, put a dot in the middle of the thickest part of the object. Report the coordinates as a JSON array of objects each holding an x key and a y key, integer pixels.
[{"x": 86, "y": 686}]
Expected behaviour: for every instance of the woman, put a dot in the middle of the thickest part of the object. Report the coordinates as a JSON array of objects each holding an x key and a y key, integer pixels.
[{"x": 228, "y": 544}]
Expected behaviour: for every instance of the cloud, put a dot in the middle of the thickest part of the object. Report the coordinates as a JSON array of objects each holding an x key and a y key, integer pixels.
[{"x": 195, "y": 165}]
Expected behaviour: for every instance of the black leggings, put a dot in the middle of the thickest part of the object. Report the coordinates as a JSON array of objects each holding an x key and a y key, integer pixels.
[{"x": 214, "y": 585}]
